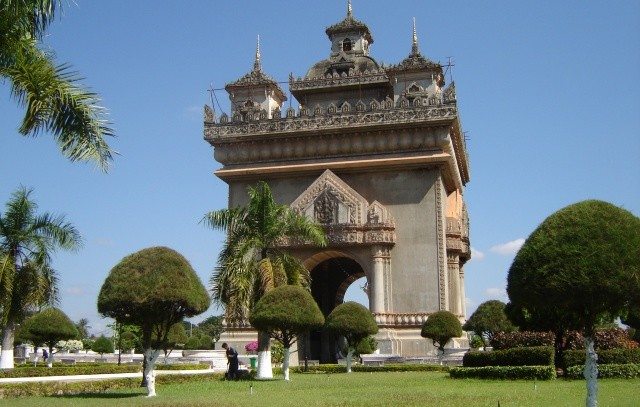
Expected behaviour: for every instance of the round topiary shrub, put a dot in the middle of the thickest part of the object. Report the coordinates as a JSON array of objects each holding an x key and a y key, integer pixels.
[
  {"x": 285, "y": 313},
  {"x": 50, "y": 326},
  {"x": 153, "y": 288},
  {"x": 102, "y": 345},
  {"x": 353, "y": 321},
  {"x": 440, "y": 327}
]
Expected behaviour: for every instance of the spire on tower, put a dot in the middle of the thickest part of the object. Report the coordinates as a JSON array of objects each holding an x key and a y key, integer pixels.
[
  {"x": 257, "y": 66},
  {"x": 414, "y": 42},
  {"x": 349, "y": 9}
]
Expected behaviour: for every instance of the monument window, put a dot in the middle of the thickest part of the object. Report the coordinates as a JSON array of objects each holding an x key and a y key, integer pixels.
[{"x": 346, "y": 45}]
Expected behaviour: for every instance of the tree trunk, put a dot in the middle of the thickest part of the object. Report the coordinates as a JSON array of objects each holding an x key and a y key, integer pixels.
[
  {"x": 265, "y": 370},
  {"x": 559, "y": 348},
  {"x": 150, "y": 357},
  {"x": 6, "y": 355},
  {"x": 591, "y": 371},
  {"x": 285, "y": 364},
  {"x": 349, "y": 355},
  {"x": 50, "y": 358}
]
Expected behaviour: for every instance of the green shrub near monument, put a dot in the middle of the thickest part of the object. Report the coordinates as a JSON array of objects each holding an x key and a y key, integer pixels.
[
  {"x": 521, "y": 339},
  {"x": 441, "y": 327},
  {"x": 605, "y": 357},
  {"x": 50, "y": 326},
  {"x": 102, "y": 345},
  {"x": 612, "y": 371},
  {"x": 533, "y": 356},
  {"x": 504, "y": 372},
  {"x": 353, "y": 321}
]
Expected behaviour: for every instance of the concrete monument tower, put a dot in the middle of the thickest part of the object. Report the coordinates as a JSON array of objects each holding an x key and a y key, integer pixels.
[{"x": 375, "y": 154}]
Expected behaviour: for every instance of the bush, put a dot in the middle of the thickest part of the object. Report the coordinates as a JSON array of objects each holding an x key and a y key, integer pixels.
[
  {"x": 504, "y": 372},
  {"x": 605, "y": 357},
  {"x": 277, "y": 352},
  {"x": 14, "y": 390},
  {"x": 186, "y": 366},
  {"x": 440, "y": 327},
  {"x": 201, "y": 341},
  {"x": 251, "y": 347},
  {"x": 102, "y": 345},
  {"x": 69, "y": 370},
  {"x": 332, "y": 368},
  {"x": 522, "y": 339},
  {"x": 72, "y": 345},
  {"x": 613, "y": 371},
  {"x": 353, "y": 321},
  {"x": 614, "y": 338},
  {"x": 366, "y": 346},
  {"x": 533, "y": 356}
]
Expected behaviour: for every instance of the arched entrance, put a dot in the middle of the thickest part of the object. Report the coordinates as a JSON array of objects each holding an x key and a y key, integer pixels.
[{"x": 329, "y": 282}]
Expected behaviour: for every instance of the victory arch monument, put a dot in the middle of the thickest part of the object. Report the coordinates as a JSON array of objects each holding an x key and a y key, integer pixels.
[{"x": 374, "y": 153}]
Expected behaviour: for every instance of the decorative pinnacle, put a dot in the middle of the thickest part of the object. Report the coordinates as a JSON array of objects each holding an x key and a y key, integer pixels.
[
  {"x": 349, "y": 9},
  {"x": 257, "y": 66},
  {"x": 414, "y": 42}
]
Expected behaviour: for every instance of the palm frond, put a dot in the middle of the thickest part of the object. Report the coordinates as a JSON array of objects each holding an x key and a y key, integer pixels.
[
  {"x": 31, "y": 17},
  {"x": 61, "y": 233},
  {"x": 301, "y": 227},
  {"x": 56, "y": 103}
]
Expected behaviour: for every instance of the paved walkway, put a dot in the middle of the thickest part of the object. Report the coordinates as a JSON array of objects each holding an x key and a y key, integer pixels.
[{"x": 92, "y": 377}]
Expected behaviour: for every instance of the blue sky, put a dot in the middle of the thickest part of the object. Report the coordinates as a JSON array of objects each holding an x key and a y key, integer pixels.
[{"x": 549, "y": 93}]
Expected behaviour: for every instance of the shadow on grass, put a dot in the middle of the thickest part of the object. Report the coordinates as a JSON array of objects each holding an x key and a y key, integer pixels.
[{"x": 100, "y": 396}]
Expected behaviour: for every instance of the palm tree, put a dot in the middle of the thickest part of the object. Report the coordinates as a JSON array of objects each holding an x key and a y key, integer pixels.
[
  {"x": 51, "y": 94},
  {"x": 83, "y": 327},
  {"x": 27, "y": 281},
  {"x": 251, "y": 261}
]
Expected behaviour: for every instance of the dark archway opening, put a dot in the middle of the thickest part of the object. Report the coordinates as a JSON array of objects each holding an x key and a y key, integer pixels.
[{"x": 329, "y": 282}]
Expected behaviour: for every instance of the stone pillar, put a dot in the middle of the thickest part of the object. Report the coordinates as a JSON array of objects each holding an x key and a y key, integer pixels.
[
  {"x": 376, "y": 279},
  {"x": 463, "y": 301},
  {"x": 453, "y": 266}
]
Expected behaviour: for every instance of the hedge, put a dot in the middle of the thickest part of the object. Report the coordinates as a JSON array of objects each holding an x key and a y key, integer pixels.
[
  {"x": 531, "y": 356},
  {"x": 332, "y": 368},
  {"x": 504, "y": 372},
  {"x": 605, "y": 357},
  {"x": 13, "y": 390},
  {"x": 521, "y": 339},
  {"x": 186, "y": 366},
  {"x": 94, "y": 368},
  {"x": 612, "y": 371},
  {"x": 68, "y": 370}
]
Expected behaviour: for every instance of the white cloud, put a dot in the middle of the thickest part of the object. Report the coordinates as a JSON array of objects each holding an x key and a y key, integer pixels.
[
  {"x": 75, "y": 291},
  {"x": 476, "y": 254},
  {"x": 508, "y": 248}
]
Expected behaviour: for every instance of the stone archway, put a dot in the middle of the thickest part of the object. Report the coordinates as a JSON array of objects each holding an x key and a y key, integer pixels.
[{"x": 330, "y": 279}]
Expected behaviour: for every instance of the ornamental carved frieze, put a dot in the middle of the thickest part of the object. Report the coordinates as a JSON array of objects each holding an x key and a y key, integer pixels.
[
  {"x": 457, "y": 232},
  {"x": 347, "y": 217},
  {"x": 216, "y": 132}
]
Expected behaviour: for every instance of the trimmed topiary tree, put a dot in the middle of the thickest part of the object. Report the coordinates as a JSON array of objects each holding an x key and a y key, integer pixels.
[
  {"x": 50, "y": 326},
  {"x": 286, "y": 312},
  {"x": 488, "y": 319},
  {"x": 366, "y": 346},
  {"x": 353, "y": 321},
  {"x": 154, "y": 289},
  {"x": 103, "y": 345},
  {"x": 583, "y": 262},
  {"x": 441, "y": 327},
  {"x": 177, "y": 337}
]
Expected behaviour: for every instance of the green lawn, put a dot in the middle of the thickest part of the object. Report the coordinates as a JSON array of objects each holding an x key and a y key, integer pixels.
[{"x": 358, "y": 389}]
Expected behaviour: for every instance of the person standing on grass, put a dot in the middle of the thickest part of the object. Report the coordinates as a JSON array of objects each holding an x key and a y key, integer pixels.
[{"x": 232, "y": 362}]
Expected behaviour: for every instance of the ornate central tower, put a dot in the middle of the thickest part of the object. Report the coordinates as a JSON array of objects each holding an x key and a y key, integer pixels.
[{"x": 375, "y": 154}]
